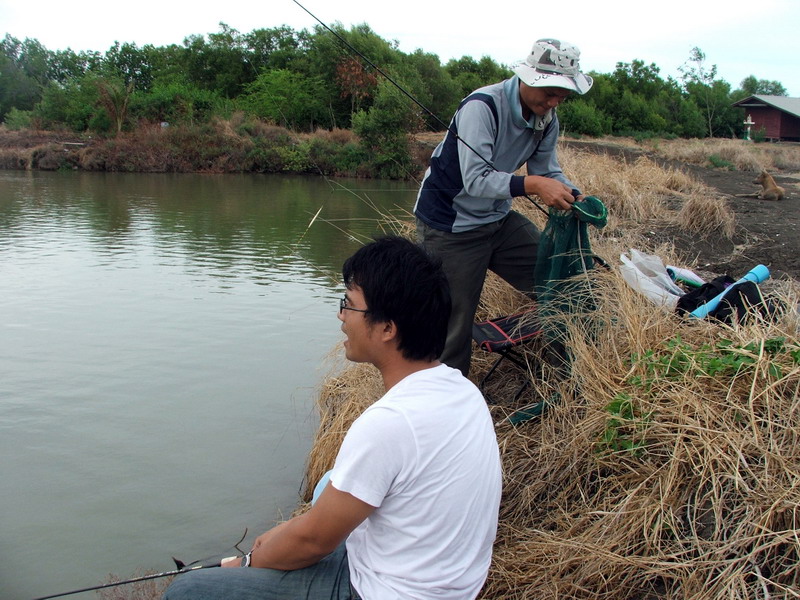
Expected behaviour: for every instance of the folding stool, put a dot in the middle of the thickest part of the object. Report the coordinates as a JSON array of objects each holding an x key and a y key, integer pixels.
[{"x": 503, "y": 336}]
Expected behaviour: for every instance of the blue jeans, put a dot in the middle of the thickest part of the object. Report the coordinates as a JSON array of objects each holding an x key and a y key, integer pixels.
[{"x": 327, "y": 579}]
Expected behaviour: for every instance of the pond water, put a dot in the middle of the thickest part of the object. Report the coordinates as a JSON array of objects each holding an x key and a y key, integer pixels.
[{"x": 162, "y": 339}]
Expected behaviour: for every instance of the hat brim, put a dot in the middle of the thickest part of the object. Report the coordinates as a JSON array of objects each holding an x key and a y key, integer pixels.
[{"x": 580, "y": 83}]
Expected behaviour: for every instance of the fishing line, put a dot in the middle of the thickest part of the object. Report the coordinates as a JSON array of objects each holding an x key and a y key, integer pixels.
[{"x": 408, "y": 95}]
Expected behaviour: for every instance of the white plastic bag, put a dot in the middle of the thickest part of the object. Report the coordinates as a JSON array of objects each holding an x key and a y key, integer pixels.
[
  {"x": 654, "y": 268},
  {"x": 646, "y": 274}
]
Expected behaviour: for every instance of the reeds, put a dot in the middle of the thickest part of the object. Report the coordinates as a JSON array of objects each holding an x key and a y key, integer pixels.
[{"x": 669, "y": 465}]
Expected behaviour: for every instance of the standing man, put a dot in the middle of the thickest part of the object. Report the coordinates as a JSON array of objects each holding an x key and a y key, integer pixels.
[
  {"x": 411, "y": 507},
  {"x": 463, "y": 208}
]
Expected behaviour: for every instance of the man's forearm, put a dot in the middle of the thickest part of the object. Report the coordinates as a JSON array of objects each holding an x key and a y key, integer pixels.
[{"x": 287, "y": 548}]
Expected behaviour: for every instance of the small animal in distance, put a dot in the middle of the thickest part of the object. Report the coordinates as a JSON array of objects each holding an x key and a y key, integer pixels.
[{"x": 769, "y": 189}]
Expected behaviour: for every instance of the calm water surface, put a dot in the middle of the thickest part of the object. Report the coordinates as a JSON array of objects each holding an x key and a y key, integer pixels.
[{"x": 161, "y": 341}]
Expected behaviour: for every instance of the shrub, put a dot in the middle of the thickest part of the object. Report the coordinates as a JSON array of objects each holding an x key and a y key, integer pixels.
[
  {"x": 294, "y": 159},
  {"x": 759, "y": 135},
  {"x": 580, "y": 117},
  {"x": 382, "y": 130},
  {"x": 336, "y": 152},
  {"x": 283, "y": 96},
  {"x": 51, "y": 158},
  {"x": 18, "y": 119},
  {"x": 176, "y": 103}
]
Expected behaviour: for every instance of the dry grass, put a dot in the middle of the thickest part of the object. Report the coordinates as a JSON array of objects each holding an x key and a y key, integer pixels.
[
  {"x": 707, "y": 215},
  {"x": 689, "y": 491},
  {"x": 342, "y": 399},
  {"x": 633, "y": 192},
  {"x": 670, "y": 468},
  {"x": 640, "y": 193},
  {"x": 693, "y": 491},
  {"x": 151, "y": 589},
  {"x": 739, "y": 154}
]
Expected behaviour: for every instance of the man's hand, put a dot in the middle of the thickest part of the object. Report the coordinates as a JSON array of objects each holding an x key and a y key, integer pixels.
[{"x": 551, "y": 191}]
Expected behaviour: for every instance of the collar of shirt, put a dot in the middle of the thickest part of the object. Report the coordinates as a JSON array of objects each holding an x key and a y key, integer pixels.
[{"x": 537, "y": 123}]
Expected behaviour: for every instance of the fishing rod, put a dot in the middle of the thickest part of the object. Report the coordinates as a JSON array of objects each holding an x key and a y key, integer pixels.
[
  {"x": 181, "y": 568},
  {"x": 132, "y": 580},
  {"x": 408, "y": 95}
]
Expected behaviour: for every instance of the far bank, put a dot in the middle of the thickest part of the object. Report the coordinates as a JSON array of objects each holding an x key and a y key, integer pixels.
[{"x": 235, "y": 145}]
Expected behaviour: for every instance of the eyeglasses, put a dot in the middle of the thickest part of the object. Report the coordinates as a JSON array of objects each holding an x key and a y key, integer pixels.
[{"x": 343, "y": 306}]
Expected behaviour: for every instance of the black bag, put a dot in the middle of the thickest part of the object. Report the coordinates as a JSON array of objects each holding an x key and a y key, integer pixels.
[
  {"x": 745, "y": 300},
  {"x": 742, "y": 300},
  {"x": 699, "y": 296}
]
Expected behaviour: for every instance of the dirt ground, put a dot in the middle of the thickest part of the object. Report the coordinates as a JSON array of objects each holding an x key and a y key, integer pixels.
[{"x": 766, "y": 232}]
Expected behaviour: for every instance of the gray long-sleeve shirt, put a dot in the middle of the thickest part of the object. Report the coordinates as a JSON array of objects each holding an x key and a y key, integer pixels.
[{"x": 460, "y": 190}]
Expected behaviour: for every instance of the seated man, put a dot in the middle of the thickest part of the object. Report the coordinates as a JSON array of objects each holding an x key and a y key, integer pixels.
[{"x": 411, "y": 507}]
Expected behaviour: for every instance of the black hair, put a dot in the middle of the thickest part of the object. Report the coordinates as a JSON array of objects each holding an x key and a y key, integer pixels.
[{"x": 402, "y": 283}]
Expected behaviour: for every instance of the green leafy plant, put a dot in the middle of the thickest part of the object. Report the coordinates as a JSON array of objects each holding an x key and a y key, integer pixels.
[
  {"x": 721, "y": 359},
  {"x": 675, "y": 361},
  {"x": 624, "y": 427}
]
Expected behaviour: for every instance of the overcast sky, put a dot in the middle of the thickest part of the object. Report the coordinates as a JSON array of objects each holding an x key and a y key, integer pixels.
[{"x": 741, "y": 37}]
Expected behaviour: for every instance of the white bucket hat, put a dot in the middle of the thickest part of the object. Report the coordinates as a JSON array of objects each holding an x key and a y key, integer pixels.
[{"x": 553, "y": 63}]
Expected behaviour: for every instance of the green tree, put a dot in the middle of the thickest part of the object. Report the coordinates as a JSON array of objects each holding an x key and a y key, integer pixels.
[
  {"x": 579, "y": 117},
  {"x": 751, "y": 86},
  {"x": 682, "y": 115},
  {"x": 114, "y": 96},
  {"x": 170, "y": 64},
  {"x": 325, "y": 53},
  {"x": 432, "y": 86},
  {"x": 277, "y": 48},
  {"x": 131, "y": 64},
  {"x": 72, "y": 105},
  {"x": 66, "y": 65},
  {"x": 637, "y": 114},
  {"x": 639, "y": 78},
  {"x": 286, "y": 98},
  {"x": 469, "y": 74},
  {"x": 712, "y": 95},
  {"x": 220, "y": 63},
  {"x": 23, "y": 73},
  {"x": 383, "y": 132}
]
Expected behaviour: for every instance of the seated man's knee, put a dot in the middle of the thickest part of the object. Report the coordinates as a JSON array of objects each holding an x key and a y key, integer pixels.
[{"x": 188, "y": 586}]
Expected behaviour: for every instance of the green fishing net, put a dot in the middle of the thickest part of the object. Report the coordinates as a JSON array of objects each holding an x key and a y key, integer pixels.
[{"x": 564, "y": 254}]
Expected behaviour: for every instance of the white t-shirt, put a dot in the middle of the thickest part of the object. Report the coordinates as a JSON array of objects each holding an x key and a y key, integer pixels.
[{"x": 426, "y": 456}]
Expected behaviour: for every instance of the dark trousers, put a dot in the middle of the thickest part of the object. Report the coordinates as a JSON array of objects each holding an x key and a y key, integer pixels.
[{"x": 507, "y": 247}]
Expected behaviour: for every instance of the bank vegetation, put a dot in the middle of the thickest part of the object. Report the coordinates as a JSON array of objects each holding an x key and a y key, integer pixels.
[{"x": 669, "y": 467}]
